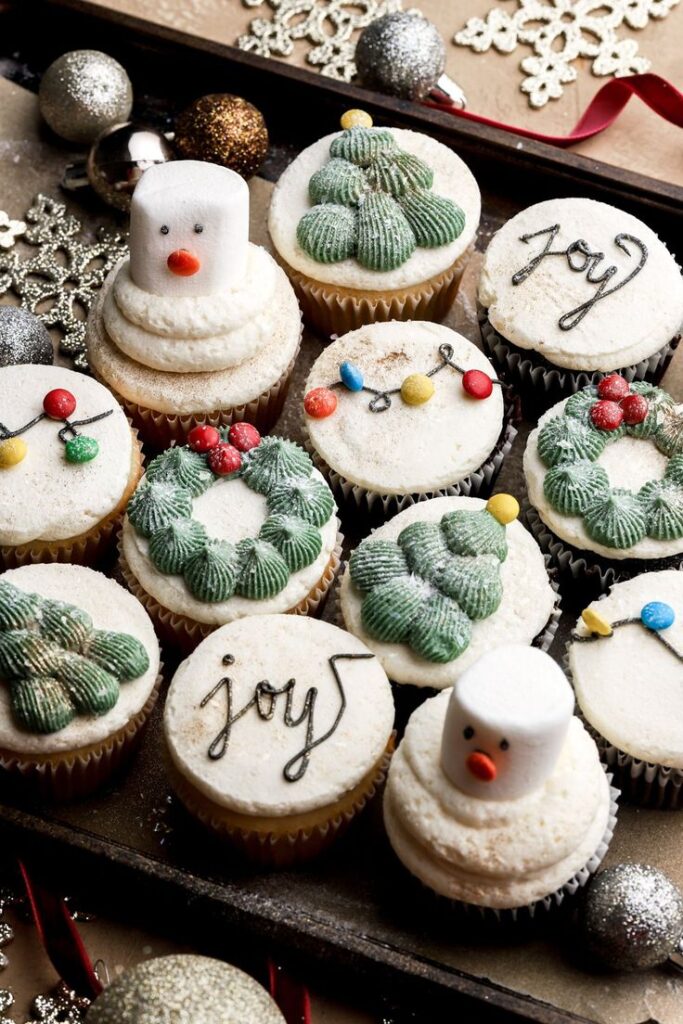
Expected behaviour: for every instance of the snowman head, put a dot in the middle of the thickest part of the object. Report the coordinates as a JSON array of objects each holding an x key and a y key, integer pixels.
[
  {"x": 189, "y": 229},
  {"x": 506, "y": 723}
]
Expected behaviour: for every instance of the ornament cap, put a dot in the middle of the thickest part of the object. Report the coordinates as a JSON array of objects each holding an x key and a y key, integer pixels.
[
  {"x": 503, "y": 507},
  {"x": 355, "y": 119}
]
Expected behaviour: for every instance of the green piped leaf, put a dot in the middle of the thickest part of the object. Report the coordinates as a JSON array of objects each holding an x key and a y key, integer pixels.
[
  {"x": 474, "y": 533},
  {"x": 211, "y": 574},
  {"x": 669, "y": 433},
  {"x": 434, "y": 220},
  {"x": 658, "y": 402},
  {"x": 363, "y": 145},
  {"x": 298, "y": 542},
  {"x": 183, "y": 467},
  {"x": 93, "y": 690},
  {"x": 618, "y": 520},
  {"x": 567, "y": 439},
  {"x": 66, "y": 625},
  {"x": 674, "y": 471},
  {"x": 24, "y": 653},
  {"x": 157, "y": 504},
  {"x": 328, "y": 233},
  {"x": 579, "y": 405},
  {"x": 263, "y": 573},
  {"x": 339, "y": 181},
  {"x": 663, "y": 501},
  {"x": 17, "y": 609},
  {"x": 41, "y": 704},
  {"x": 571, "y": 487},
  {"x": 388, "y": 611},
  {"x": 440, "y": 631},
  {"x": 306, "y": 498},
  {"x": 399, "y": 173},
  {"x": 375, "y": 562},
  {"x": 425, "y": 549},
  {"x": 120, "y": 654},
  {"x": 385, "y": 238},
  {"x": 172, "y": 546},
  {"x": 274, "y": 462},
  {"x": 474, "y": 583}
]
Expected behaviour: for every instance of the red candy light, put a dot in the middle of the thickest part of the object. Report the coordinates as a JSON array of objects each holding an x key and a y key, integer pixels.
[
  {"x": 203, "y": 438},
  {"x": 244, "y": 437},
  {"x": 59, "y": 404},
  {"x": 320, "y": 403},
  {"x": 613, "y": 388},
  {"x": 477, "y": 384},
  {"x": 607, "y": 415},
  {"x": 634, "y": 408},
  {"x": 224, "y": 459}
]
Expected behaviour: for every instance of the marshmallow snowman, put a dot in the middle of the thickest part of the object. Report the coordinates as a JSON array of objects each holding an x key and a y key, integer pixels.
[
  {"x": 506, "y": 723},
  {"x": 189, "y": 229}
]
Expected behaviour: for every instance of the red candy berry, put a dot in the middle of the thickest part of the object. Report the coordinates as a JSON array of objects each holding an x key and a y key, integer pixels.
[
  {"x": 634, "y": 408},
  {"x": 320, "y": 402},
  {"x": 613, "y": 388},
  {"x": 607, "y": 415},
  {"x": 203, "y": 438},
  {"x": 477, "y": 384},
  {"x": 59, "y": 404},
  {"x": 244, "y": 437},
  {"x": 224, "y": 459}
]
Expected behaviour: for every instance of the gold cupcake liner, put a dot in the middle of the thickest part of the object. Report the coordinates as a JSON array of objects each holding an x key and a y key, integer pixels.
[
  {"x": 159, "y": 429},
  {"x": 185, "y": 633},
  {"x": 331, "y": 309},
  {"x": 73, "y": 774},
  {"x": 85, "y": 548},
  {"x": 279, "y": 842}
]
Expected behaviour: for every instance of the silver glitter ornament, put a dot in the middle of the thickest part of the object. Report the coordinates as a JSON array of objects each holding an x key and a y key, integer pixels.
[
  {"x": 402, "y": 54},
  {"x": 23, "y": 339},
  {"x": 632, "y": 917},
  {"x": 82, "y": 93}
]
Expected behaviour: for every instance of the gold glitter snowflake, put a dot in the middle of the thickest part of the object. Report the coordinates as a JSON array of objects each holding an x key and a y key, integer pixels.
[{"x": 561, "y": 31}]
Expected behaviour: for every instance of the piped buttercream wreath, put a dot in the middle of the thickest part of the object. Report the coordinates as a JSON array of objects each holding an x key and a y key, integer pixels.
[
  {"x": 298, "y": 505},
  {"x": 569, "y": 445}
]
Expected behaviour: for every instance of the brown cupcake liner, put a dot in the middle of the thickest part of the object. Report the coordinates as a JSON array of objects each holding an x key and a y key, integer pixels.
[
  {"x": 86, "y": 548},
  {"x": 71, "y": 775},
  {"x": 159, "y": 429},
  {"x": 287, "y": 841},
  {"x": 592, "y": 572},
  {"x": 537, "y": 379},
  {"x": 479, "y": 483},
  {"x": 186, "y": 633},
  {"x": 332, "y": 309}
]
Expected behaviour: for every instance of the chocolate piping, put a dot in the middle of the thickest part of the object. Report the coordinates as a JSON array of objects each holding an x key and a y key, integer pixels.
[
  {"x": 68, "y": 428},
  {"x": 580, "y": 638}
]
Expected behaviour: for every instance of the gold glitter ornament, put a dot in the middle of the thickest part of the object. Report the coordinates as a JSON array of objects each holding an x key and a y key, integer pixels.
[
  {"x": 83, "y": 93},
  {"x": 223, "y": 129}
]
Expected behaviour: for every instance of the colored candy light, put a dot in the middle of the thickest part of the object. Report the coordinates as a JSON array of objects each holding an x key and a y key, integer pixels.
[
  {"x": 607, "y": 415},
  {"x": 657, "y": 615},
  {"x": 417, "y": 389},
  {"x": 224, "y": 459},
  {"x": 503, "y": 507},
  {"x": 595, "y": 623},
  {"x": 203, "y": 438},
  {"x": 244, "y": 437},
  {"x": 614, "y": 387},
  {"x": 59, "y": 404},
  {"x": 12, "y": 452},
  {"x": 477, "y": 384},
  {"x": 351, "y": 376},
  {"x": 320, "y": 403},
  {"x": 81, "y": 449}
]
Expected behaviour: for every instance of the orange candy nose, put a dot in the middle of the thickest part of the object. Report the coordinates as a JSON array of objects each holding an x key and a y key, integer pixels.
[
  {"x": 482, "y": 766},
  {"x": 183, "y": 263}
]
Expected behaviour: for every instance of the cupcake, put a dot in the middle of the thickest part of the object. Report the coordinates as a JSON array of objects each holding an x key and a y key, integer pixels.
[
  {"x": 573, "y": 289},
  {"x": 278, "y": 731},
  {"x": 69, "y": 462},
  {"x": 604, "y": 474},
  {"x": 79, "y": 675},
  {"x": 226, "y": 526},
  {"x": 198, "y": 325},
  {"x": 441, "y": 583},
  {"x": 418, "y": 382},
  {"x": 496, "y": 798},
  {"x": 184, "y": 989},
  {"x": 374, "y": 224},
  {"x": 625, "y": 659}
]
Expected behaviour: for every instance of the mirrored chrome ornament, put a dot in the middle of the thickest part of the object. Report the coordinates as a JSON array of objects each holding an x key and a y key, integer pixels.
[{"x": 117, "y": 160}]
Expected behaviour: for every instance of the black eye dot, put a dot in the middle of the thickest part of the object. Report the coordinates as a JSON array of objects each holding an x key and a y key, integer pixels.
[
  {"x": 504, "y": 745},
  {"x": 198, "y": 228},
  {"x": 164, "y": 229},
  {"x": 468, "y": 732}
]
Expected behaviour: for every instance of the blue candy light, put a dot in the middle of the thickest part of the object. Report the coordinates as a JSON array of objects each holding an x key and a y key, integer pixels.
[
  {"x": 657, "y": 615},
  {"x": 351, "y": 376}
]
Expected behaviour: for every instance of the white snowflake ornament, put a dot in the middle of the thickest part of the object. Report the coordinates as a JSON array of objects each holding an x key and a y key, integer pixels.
[{"x": 10, "y": 230}]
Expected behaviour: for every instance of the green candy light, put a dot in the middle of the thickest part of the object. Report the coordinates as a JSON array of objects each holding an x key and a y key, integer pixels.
[{"x": 82, "y": 449}]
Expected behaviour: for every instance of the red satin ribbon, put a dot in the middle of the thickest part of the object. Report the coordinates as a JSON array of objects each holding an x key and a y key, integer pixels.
[
  {"x": 605, "y": 107},
  {"x": 291, "y": 996}
]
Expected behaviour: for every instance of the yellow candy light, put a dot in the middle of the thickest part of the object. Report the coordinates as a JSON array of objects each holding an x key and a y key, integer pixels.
[
  {"x": 356, "y": 119},
  {"x": 12, "y": 452},
  {"x": 595, "y": 623},
  {"x": 417, "y": 389},
  {"x": 503, "y": 507}
]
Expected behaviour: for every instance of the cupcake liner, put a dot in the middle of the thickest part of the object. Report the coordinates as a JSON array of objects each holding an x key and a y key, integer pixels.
[
  {"x": 332, "y": 309},
  {"x": 71, "y": 775},
  {"x": 282, "y": 846},
  {"x": 186, "y": 633},
  {"x": 384, "y": 506},
  {"x": 536, "y": 378},
  {"x": 86, "y": 548},
  {"x": 159, "y": 429},
  {"x": 591, "y": 571}
]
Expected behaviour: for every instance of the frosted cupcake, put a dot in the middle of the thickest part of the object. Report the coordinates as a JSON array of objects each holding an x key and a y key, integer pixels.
[
  {"x": 305, "y": 742},
  {"x": 374, "y": 224},
  {"x": 227, "y": 526},
  {"x": 572, "y": 289},
  {"x": 198, "y": 325},
  {"x": 626, "y": 662},
  {"x": 604, "y": 474},
  {"x": 181, "y": 989},
  {"x": 79, "y": 675},
  {"x": 69, "y": 462},
  {"x": 444, "y": 581},
  {"x": 496, "y": 797},
  {"x": 399, "y": 412}
]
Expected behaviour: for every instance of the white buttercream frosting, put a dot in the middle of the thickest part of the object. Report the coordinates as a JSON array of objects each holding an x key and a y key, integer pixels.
[
  {"x": 629, "y": 686},
  {"x": 44, "y": 497},
  {"x": 111, "y": 608},
  {"x": 619, "y": 330},
  {"x": 407, "y": 449},
  {"x": 250, "y": 778}
]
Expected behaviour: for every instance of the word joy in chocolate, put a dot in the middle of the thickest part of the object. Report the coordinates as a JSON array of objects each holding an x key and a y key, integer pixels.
[
  {"x": 582, "y": 260},
  {"x": 265, "y": 700}
]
